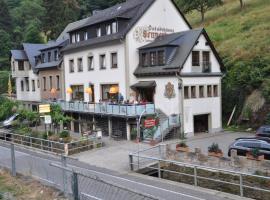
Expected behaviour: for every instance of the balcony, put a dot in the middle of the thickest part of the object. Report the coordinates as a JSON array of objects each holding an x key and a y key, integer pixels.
[
  {"x": 123, "y": 110},
  {"x": 20, "y": 73}
]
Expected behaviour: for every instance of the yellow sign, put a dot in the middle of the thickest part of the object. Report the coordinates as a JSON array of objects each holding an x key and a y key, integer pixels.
[{"x": 45, "y": 108}]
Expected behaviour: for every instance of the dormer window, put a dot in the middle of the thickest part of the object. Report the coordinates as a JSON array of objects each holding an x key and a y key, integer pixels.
[
  {"x": 56, "y": 55},
  {"x": 85, "y": 36},
  {"x": 144, "y": 59},
  {"x": 114, "y": 27},
  {"x": 108, "y": 29},
  {"x": 195, "y": 58},
  {"x": 161, "y": 57},
  {"x": 43, "y": 57},
  {"x": 153, "y": 58},
  {"x": 49, "y": 56},
  {"x": 78, "y": 37},
  {"x": 73, "y": 38},
  {"x": 99, "y": 32}
]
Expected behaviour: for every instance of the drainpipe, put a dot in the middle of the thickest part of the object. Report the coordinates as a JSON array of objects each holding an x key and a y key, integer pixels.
[{"x": 181, "y": 99}]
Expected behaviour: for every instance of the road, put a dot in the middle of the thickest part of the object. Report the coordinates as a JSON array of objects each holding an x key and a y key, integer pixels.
[{"x": 37, "y": 165}]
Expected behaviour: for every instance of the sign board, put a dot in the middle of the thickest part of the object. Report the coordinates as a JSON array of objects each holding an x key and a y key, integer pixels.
[
  {"x": 45, "y": 108},
  {"x": 149, "y": 123},
  {"x": 47, "y": 119}
]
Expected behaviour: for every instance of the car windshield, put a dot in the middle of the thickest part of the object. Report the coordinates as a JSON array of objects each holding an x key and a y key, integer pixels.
[{"x": 266, "y": 130}]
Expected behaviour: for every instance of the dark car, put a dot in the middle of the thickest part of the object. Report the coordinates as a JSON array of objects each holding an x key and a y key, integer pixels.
[
  {"x": 244, "y": 145},
  {"x": 263, "y": 131}
]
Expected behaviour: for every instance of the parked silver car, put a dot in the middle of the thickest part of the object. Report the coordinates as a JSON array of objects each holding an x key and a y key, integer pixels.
[{"x": 8, "y": 123}]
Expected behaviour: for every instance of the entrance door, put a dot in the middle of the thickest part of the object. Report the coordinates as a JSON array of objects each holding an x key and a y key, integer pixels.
[{"x": 201, "y": 123}]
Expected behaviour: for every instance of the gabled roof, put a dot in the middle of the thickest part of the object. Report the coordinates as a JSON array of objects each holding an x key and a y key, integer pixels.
[
  {"x": 48, "y": 65},
  {"x": 19, "y": 54},
  {"x": 184, "y": 43},
  {"x": 31, "y": 51}
]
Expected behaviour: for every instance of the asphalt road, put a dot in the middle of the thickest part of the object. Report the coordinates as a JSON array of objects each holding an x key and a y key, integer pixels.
[{"x": 38, "y": 165}]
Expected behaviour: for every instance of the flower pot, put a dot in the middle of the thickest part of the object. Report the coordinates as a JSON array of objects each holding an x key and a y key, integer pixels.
[
  {"x": 251, "y": 157},
  {"x": 214, "y": 154},
  {"x": 182, "y": 149}
]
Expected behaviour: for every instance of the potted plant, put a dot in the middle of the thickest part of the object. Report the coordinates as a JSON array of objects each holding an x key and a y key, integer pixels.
[
  {"x": 254, "y": 154},
  {"x": 215, "y": 151},
  {"x": 182, "y": 146}
]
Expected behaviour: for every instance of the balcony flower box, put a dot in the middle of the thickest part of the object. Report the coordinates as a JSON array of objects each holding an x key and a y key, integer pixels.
[
  {"x": 216, "y": 154},
  {"x": 215, "y": 151}
]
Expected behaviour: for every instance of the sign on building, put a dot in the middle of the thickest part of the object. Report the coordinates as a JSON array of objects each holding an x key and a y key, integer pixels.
[
  {"x": 44, "y": 108},
  {"x": 149, "y": 123},
  {"x": 47, "y": 119}
]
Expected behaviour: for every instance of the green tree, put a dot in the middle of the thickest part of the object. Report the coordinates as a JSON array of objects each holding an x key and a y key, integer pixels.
[
  {"x": 7, "y": 108},
  {"x": 201, "y": 6},
  {"x": 58, "y": 116},
  {"x": 5, "y": 43},
  {"x": 33, "y": 32},
  {"x": 63, "y": 12},
  {"x": 5, "y": 19}
]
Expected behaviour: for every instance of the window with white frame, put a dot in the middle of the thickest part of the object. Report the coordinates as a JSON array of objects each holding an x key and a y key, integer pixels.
[
  {"x": 71, "y": 66},
  {"x": 186, "y": 92},
  {"x": 85, "y": 35},
  {"x": 114, "y": 60},
  {"x": 99, "y": 32},
  {"x": 108, "y": 29},
  {"x": 114, "y": 27},
  {"x": 78, "y": 37},
  {"x": 90, "y": 63},
  {"x": 33, "y": 86},
  {"x": 73, "y": 38},
  {"x": 80, "y": 65},
  {"x": 102, "y": 61}
]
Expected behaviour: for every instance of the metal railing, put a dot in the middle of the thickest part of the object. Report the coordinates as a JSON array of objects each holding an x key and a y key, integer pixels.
[
  {"x": 52, "y": 146},
  {"x": 141, "y": 160},
  {"x": 107, "y": 108}
]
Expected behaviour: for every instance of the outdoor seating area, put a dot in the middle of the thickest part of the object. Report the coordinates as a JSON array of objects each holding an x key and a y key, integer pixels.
[{"x": 122, "y": 109}]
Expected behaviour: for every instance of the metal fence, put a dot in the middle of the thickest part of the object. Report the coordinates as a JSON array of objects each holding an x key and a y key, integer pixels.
[
  {"x": 84, "y": 144},
  {"x": 155, "y": 159},
  {"x": 76, "y": 183}
]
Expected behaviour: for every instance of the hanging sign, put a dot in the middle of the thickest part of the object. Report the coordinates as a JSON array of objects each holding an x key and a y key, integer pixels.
[
  {"x": 149, "y": 123},
  {"x": 44, "y": 108}
]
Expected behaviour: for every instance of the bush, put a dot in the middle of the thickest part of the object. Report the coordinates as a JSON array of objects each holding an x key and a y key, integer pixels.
[
  {"x": 64, "y": 134},
  {"x": 214, "y": 148}
]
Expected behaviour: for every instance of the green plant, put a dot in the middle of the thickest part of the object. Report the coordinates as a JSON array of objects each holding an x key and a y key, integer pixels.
[
  {"x": 133, "y": 134},
  {"x": 64, "y": 134},
  {"x": 214, "y": 148},
  {"x": 255, "y": 152}
]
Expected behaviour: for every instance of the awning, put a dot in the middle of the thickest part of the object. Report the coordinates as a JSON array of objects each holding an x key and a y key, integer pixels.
[{"x": 143, "y": 84}]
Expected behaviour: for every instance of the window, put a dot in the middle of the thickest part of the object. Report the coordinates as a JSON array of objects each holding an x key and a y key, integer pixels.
[
  {"x": 105, "y": 92},
  {"x": 51, "y": 83},
  {"x": 27, "y": 84},
  {"x": 33, "y": 86},
  {"x": 153, "y": 58},
  {"x": 71, "y": 66},
  {"x": 215, "y": 90},
  {"x": 77, "y": 92},
  {"x": 102, "y": 60},
  {"x": 43, "y": 57},
  {"x": 22, "y": 86},
  {"x": 99, "y": 32},
  {"x": 114, "y": 27},
  {"x": 49, "y": 56},
  {"x": 186, "y": 92},
  {"x": 144, "y": 59},
  {"x": 44, "y": 83},
  {"x": 21, "y": 65},
  {"x": 193, "y": 92},
  {"x": 108, "y": 29},
  {"x": 206, "y": 61},
  {"x": 201, "y": 91},
  {"x": 85, "y": 36},
  {"x": 77, "y": 37},
  {"x": 80, "y": 65},
  {"x": 58, "y": 82},
  {"x": 114, "y": 60},
  {"x": 73, "y": 38},
  {"x": 90, "y": 63},
  {"x": 161, "y": 57},
  {"x": 195, "y": 58},
  {"x": 92, "y": 95},
  {"x": 38, "y": 84},
  {"x": 56, "y": 55},
  {"x": 209, "y": 91}
]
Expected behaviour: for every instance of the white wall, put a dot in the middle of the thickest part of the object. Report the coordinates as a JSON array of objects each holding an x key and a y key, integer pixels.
[
  {"x": 201, "y": 47},
  {"x": 162, "y": 13},
  {"x": 206, "y": 105},
  {"x": 168, "y": 106},
  {"x": 96, "y": 76}
]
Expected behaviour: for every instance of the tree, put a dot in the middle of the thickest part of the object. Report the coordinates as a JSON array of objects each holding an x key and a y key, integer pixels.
[
  {"x": 58, "y": 116},
  {"x": 5, "y": 19},
  {"x": 33, "y": 32},
  {"x": 200, "y": 5},
  {"x": 5, "y": 43},
  {"x": 241, "y": 4},
  {"x": 63, "y": 12}
]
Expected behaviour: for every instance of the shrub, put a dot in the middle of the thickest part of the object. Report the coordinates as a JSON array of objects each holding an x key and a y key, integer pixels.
[
  {"x": 64, "y": 134},
  {"x": 255, "y": 152},
  {"x": 214, "y": 148},
  {"x": 182, "y": 144}
]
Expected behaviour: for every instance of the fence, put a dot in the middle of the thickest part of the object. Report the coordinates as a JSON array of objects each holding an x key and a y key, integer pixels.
[
  {"x": 52, "y": 146},
  {"x": 153, "y": 160},
  {"x": 75, "y": 184}
]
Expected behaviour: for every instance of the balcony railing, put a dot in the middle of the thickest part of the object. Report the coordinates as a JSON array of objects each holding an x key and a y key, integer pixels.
[{"x": 128, "y": 110}]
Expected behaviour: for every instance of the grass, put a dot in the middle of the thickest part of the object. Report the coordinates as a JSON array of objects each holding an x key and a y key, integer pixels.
[{"x": 239, "y": 35}]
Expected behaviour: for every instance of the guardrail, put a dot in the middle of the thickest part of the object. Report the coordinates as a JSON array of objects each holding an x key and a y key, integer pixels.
[
  {"x": 107, "y": 108},
  {"x": 139, "y": 160},
  {"x": 52, "y": 146}
]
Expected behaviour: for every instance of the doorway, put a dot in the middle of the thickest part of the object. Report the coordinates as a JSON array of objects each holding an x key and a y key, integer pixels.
[
  {"x": 147, "y": 94},
  {"x": 201, "y": 123}
]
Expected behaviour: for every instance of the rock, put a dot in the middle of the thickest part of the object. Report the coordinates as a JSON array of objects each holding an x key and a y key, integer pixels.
[{"x": 249, "y": 129}]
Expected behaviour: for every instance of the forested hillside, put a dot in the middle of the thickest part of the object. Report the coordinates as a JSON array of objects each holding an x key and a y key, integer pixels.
[{"x": 239, "y": 28}]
